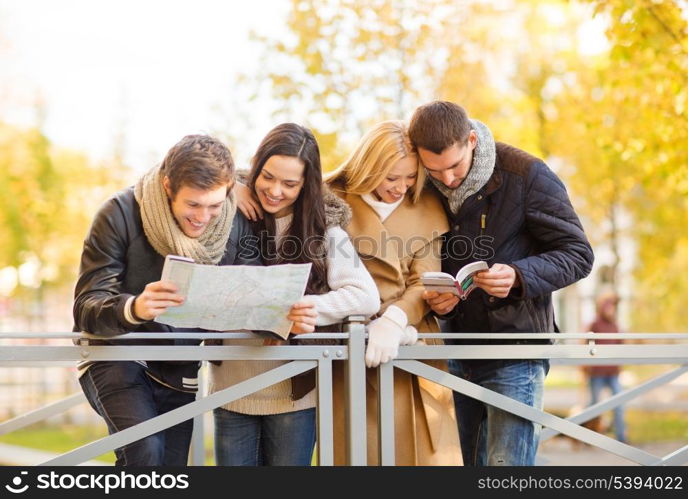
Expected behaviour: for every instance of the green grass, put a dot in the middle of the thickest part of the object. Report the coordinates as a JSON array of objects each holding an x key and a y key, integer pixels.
[
  {"x": 57, "y": 439},
  {"x": 647, "y": 427},
  {"x": 68, "y": 437}
]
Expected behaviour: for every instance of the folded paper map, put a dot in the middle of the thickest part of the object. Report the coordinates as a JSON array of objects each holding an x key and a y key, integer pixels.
[{"x": 234, "y": 297}]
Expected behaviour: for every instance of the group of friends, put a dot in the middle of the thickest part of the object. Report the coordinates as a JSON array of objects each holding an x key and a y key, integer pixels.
[{"x": 432, "y": 194}]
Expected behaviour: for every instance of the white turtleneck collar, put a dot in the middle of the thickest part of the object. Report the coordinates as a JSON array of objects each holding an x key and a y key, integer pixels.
[{"x": 383, "y": 210}]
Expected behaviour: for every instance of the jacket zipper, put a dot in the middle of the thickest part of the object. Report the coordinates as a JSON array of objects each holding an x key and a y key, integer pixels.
[{"x": 483, "y": 219}]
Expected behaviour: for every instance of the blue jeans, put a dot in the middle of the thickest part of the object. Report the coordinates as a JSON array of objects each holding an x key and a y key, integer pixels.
[
  {"x": 124, "y": 395},
  {"x": 490, "y": 436},
  {"x": 274, "y": 440},
  {"x": 597, "y": 384}
]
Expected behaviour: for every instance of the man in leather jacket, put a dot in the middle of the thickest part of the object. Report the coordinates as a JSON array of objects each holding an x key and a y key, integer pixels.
[
  {"x": 509, "y": 209},
  {"x": 183, "y": 206}
]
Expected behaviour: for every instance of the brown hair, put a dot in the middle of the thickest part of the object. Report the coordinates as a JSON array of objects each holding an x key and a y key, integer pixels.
[
  {"x": 198, "y": 161},
  {"x": 438, "y": 125}
]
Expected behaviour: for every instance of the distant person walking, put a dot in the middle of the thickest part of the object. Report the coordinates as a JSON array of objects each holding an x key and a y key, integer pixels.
[{"x": 601, "y": 377}]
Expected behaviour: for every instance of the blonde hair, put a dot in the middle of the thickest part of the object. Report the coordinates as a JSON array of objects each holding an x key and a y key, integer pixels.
[{"x": 373, "y": 158}]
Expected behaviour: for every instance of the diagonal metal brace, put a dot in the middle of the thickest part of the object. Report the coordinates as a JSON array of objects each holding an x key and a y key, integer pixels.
[
  {"x": 527, "y": 412},
  {"x": 176, "y": 416}
]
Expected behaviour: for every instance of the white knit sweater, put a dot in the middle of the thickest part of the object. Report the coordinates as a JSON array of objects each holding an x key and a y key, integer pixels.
[{"x": 353, "y": 292}]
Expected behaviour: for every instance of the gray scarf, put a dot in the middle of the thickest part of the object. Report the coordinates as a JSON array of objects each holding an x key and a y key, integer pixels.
[
  {"x": 163, "y": 232},
  {"x": 484, "y": 156}
]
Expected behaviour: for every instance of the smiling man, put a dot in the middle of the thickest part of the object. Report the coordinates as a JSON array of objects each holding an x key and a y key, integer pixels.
[
  {"x": 182, "y": 207},
  {"x": 508, "y": 208}
]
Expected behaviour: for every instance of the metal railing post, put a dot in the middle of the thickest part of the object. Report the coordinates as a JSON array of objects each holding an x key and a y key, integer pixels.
[
  {"x": 385, "y": 413},
  {"x": 357, "y": 448},
  {"x": 324, "y": 410},
  {"x": 198, "y": 435}
]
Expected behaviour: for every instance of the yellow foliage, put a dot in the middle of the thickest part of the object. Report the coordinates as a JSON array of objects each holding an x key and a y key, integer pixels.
[
  {"x": 47, "y": 199},
  {"x": 613, "y": 124}
]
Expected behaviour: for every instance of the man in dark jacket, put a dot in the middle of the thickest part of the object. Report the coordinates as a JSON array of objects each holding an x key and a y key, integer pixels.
[
  {"x": 181, "y": 207},
  {"x": 508, "y": 208}
]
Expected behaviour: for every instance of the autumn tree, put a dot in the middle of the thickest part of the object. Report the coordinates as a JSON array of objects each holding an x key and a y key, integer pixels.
[
  {"x": 626, "y": 129},
  {"x": 47, "y": 199},
  {"x": 348, "y": 64},
  {"x": 612, "y": 122}
]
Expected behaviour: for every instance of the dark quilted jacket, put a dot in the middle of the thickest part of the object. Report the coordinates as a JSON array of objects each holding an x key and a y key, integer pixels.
[
  {"x": 118, "y": 261},
  {"x": 522, "y": 217}
]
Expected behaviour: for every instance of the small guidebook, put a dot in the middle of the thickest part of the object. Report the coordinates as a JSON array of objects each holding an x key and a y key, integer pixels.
[
  {"x": 234, "y": 297},
  {"x": 461, "y": 285}
]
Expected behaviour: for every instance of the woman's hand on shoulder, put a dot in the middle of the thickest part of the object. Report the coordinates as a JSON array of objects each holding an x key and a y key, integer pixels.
[{"x": 248, "y": 205}]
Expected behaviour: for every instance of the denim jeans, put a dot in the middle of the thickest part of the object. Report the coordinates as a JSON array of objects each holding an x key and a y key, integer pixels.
[
  {"x": 490, "y": 436},
  {"x": 274, "y": 440},
  {"x": 597, "y": 384},
  {"x": 124, "y": 395}
]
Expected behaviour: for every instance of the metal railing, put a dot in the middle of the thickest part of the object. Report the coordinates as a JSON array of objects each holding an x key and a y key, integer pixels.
[
  {"x": 351, "y": 351},
  {"x": 562, "y": 353},
  {"x": 301, "y": 358}
]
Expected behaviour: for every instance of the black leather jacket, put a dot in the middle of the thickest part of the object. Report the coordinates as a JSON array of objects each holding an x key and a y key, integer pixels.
[
  {"x": 522, "y": 217},
  {"x": 118, "y": 261}
]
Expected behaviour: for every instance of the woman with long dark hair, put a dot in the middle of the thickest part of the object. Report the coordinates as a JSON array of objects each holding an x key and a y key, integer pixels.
[{"x": 302, "y": 222}]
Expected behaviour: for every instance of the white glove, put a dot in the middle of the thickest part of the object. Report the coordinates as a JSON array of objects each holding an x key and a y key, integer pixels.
[
  {"x": 385, "y": 334},
  {"x": 410, "y": 336}
]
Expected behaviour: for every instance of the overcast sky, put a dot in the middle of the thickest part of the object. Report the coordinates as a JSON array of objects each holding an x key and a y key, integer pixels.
[{"x": 155, "y": 69}]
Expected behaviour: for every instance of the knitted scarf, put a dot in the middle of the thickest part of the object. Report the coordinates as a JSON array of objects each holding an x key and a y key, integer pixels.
[
  {"x": 163, "y": 232},
  {"x": 484, "y": 156}
]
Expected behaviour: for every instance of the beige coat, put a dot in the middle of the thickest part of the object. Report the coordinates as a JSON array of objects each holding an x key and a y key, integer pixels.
[{"x": 396, "y": 253}]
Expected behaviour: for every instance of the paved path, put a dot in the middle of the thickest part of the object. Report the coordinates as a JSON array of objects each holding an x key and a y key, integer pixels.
[
  {"x": 562, "y": 451},
  {"x": 555, "y": 452}
]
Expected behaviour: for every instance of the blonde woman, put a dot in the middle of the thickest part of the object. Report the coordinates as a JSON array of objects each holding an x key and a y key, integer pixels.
[{"x": 396, "y": 227}]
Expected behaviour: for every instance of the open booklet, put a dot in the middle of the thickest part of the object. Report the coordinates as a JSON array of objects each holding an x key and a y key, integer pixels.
[
  {"x": 234, "y": 297},
  {"x": 461, "y": 285}
]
